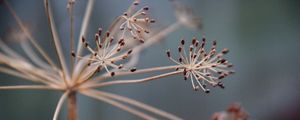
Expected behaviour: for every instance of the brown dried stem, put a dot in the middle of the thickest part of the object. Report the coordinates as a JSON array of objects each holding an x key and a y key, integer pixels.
[
  {"x": 116, "y": 82},
  {"x": 57, "y": 42},
  {"x": 72, "y": 106},
  {"x": 118, "y": 104},
  {"x": 28, "y": 34},
  {"x": 137, "y": 104}
]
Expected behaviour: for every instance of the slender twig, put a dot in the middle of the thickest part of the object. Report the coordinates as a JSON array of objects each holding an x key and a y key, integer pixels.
[
  {"x": 9, "y": 51},
  {"x": 22, "y": 67},
  {"x": 57, "y": 42},
  {"x": 154, "y": 69},
  {"x": 15, "y": 73},
  {"x": 28, "y": 34},
  {"x": 161, "y": 34},
  {"x": 42, "y": 75},
  {"x": 27, "y": 76},
  {"x": 72, "y": 106},
  {"x": 33, "y": 57},
  {"x": 116, "y": 82},
  {"x": 28, "y": 87},
  {"x": 59, "y": 105},
  {"x": 71, "y": 15},
  {"x": 84, "y": 25},
  {"x": 152, "y": 40},
  {"x": 137, "y": 104},
  {"x": 140, "y": 71},
  {"x": 118, "y": 104}
]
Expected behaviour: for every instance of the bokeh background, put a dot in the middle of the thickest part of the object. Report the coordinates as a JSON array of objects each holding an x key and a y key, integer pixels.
[{"x": 263, "y": 36}]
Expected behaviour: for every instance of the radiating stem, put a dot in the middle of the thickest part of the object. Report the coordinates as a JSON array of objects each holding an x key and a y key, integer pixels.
[
  {"x": 71, "y": 32},
  {"x": 118, "y": 104},
  {"x": 84, "y": 25},
  {"x": 138, "y": 104},
  {"x": 10, "y": 51},
  {"x": 16, "y": 73},
  {"x": 59, "y": 105},
  {"x": 116, "y": 82},
  {"x": 152, "y": 40},
  {"x": 161, "y": 34},
  {"x": 57, "y": 42},
  {"x": 34, "y": 57},
  {"x": 72, "y": 106},
  {"x": 28, "y": 34},
  {"x": 140, "y": 71},
  {"x": 28, "y": 87}
]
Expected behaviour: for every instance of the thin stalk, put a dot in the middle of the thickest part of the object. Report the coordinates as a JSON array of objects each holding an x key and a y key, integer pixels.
[
  {"x": 138, "y": 104},
  {"x": 154, "y": 69},
  {"x": 152, "y": 40},
  {"x": 34, "y": 57},
  {"x": 15, "y": 73},
  {"x": 118, "y": 104},
  {"x": 117, "y": 82},
  {"x": 43, "y": 77},
  {"x": 59, "y": 105},
  {"x": 57, "y": 42},
  {"x": 84, "y": 26},
  {"x": 71, "y": 33},
  {"x": 28, "y": 87},
  {"x": 28, "y": 72},
  {"x": 28, "y": 35},
  {"x": 161, "y": 34},
  {"x": 72, "y": 106},
  {"x": 10, "y": 51},
  {"x": 140, "y": 71}
]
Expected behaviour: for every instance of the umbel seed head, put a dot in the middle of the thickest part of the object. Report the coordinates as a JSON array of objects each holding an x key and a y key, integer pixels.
[
  {"x": 107, "y": 53},
  {"x": 202, "y": 65},
  {"x": 135, "y": 24}
]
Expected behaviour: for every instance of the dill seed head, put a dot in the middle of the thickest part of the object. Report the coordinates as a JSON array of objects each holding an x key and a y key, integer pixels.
[
  {"x": 107, "y": 52},
  {"x": 136, "y": 23},
  {"x": 81, "y": 77},
  {"x": 202, "y": 66}
]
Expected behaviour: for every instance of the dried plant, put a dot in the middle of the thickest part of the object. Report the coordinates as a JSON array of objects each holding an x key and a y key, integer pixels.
[
  {"x": 234, "y": 112},
  {"x": 113, "y": 56},
  {"x": 202, "y": 66}
]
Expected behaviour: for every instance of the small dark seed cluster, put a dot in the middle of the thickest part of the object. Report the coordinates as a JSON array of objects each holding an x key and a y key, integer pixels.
[
  {"x": 202, "y": 66},
  {"x": 136, "y": 23},
  {"x": 106, "y": 52}
]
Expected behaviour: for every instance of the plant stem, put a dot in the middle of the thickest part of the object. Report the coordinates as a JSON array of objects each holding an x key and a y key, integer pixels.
[
  {"x": 72, "y": 106},
  {"x": 116, "y": 82}
]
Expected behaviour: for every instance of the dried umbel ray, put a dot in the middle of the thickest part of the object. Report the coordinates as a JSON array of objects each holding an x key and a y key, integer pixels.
[{"x": 85, "y": 72}]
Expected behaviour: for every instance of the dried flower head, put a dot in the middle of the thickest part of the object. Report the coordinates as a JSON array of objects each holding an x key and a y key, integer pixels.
[
  {"x": 234, "y": 112},
  {"x": 82, "y": 76},
  {"x": 107, "y": 53},
  {"x": 136, "y": 23},
  {"x": 202, "y": 66}
]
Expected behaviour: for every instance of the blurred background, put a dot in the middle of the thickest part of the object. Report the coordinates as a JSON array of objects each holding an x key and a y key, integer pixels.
[{"x": 263, "y": 37}]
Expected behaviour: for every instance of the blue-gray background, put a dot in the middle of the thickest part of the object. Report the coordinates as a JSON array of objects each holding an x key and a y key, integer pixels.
[{"x": 263, "y": 36}]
